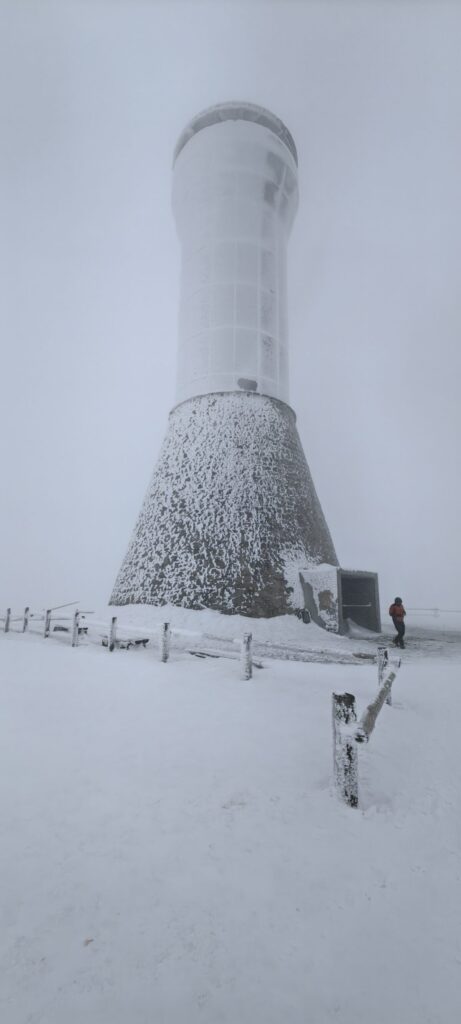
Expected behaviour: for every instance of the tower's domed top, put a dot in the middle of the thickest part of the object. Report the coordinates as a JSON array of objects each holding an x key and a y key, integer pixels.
[{"x": 236, "y": 111}]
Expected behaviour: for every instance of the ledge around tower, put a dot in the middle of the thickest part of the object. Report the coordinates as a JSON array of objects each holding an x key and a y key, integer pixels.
[{"x": 236, "y": 111}]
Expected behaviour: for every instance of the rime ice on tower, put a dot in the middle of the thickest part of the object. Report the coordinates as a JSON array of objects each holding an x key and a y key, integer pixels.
[{"x": 231, "y": 515}]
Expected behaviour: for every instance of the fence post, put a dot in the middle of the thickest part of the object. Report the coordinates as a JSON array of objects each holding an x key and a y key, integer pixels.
[
  {"x": 383, "y": 658},
  {"x": 165, "y": 642},
  {"x": 383, "y": 661},
  {"x": 389, "y": 695},
  {"x": 345, "y": 757},
  {"x": 247, "y": 660},
  {"x": 75, "y": 629},
  {"x": 7, "y": 620},
  {"x": 46, "y": 631},
  {"x": 112, "y": 633},
  {"x": 25, "y": 625}
]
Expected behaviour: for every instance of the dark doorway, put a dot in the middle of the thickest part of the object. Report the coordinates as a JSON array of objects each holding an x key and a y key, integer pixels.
[{"x": 359, "y": 599}]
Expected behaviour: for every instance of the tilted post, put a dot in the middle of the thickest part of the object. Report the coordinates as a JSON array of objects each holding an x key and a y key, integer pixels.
[
  {"x": 7, "y": 620},
  {"x": 247, "y": 657},
  {"x": 75, "y": 629},
  {"x": 25, "y": 624},
  {"x": 345, "y": 756},
  {"x": 112, "y": 633},
  {"x": 368, "y": 719},
  {"x": 165, "y": 642},
  {"x": 46, "y": 631}
]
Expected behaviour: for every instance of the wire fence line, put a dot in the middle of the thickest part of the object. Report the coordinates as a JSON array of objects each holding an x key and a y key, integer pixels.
[
  {"x": 290, "y": 649},
  {"x": 437, "y": 611}
]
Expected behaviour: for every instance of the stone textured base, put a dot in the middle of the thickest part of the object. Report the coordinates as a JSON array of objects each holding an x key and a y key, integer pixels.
[{"x": 231, "y": 513}]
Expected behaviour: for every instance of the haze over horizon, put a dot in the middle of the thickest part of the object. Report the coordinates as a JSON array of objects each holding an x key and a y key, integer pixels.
[{"x": 94, "y": 98}]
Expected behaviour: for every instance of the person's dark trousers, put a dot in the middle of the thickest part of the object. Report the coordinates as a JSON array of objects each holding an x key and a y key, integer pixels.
[{"x": 400, "y": 627}]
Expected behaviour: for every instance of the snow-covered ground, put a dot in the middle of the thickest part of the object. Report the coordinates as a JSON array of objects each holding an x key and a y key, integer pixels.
[{"x": 173, "y": 852}]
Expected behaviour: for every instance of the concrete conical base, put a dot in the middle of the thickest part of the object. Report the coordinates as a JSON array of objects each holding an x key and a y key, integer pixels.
[{"x": 231, "y": 513}]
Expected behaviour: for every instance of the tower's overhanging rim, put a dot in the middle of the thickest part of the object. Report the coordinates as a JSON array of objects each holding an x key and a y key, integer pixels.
[{"x": 236, "y": 111}]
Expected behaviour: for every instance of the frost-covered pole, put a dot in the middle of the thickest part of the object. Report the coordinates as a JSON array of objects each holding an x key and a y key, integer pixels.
[
  {"x": 75, "y": 629},
  {"x": 345, "y": 757},
  {"x": 383, "y": 662},
  {"x": 247, "y": 659},
  {"x": 383, "y": 658},
  {"x": 25, "y": 624},
  {"x": 7, "y": 620},
  {"x": 46, "y": 631},
  {"x": 165, "y": 642},
  {"x": 112, "y": 633}
]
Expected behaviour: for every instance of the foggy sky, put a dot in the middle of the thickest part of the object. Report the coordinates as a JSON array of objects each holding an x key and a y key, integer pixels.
[{"x": 93, "y": 97}]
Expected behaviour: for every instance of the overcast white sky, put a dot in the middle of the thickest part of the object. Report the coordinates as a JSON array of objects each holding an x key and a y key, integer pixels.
[{"x": 92, "y": 99}]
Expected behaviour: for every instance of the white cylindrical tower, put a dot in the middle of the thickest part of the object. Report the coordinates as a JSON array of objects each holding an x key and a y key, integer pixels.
[
  {"x": 231, "y": 515},
  {"x": 235, "y": 194}
]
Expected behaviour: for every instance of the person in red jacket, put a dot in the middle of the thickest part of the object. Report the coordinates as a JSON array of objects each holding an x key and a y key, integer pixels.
[{"x": 397, "y": 613}]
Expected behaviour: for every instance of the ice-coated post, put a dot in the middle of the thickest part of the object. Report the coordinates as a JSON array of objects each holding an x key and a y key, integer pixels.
[
  {"x": 383, "y": 658},
  {"x": 247, "y": 660},
  {"x": 389, "y": 693},
  {"x": 112, "y": 633},
  {"x": 368, "y": 719},
  {"x": 46, "y": 631},
  {"x": 383, "y": 661},
  {"x": 345, "y": 758},
  {"x": 7, "y": 620},
  {"x": 165, "y": 642},
  {"x": 25, "y": 624},
  {"x": 75, "y": 629}
]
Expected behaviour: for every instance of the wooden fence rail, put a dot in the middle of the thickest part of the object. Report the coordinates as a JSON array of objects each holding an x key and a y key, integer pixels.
[
  {"x": 9, "y": 620},
  {"x": 76, "y": 625},
  {"x": 368, "y": 719}
]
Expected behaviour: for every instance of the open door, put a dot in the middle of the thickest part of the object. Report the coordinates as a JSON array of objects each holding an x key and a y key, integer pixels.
[{"x": 358, "y": 599}]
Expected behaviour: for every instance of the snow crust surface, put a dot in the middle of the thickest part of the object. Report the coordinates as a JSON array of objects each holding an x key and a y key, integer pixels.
[{"x": 172, "y": 850}]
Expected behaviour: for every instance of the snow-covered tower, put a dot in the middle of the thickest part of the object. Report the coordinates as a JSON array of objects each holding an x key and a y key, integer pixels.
[
  {"x": 231, "y": 515},
  {"x": 235, "y": 195}
]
